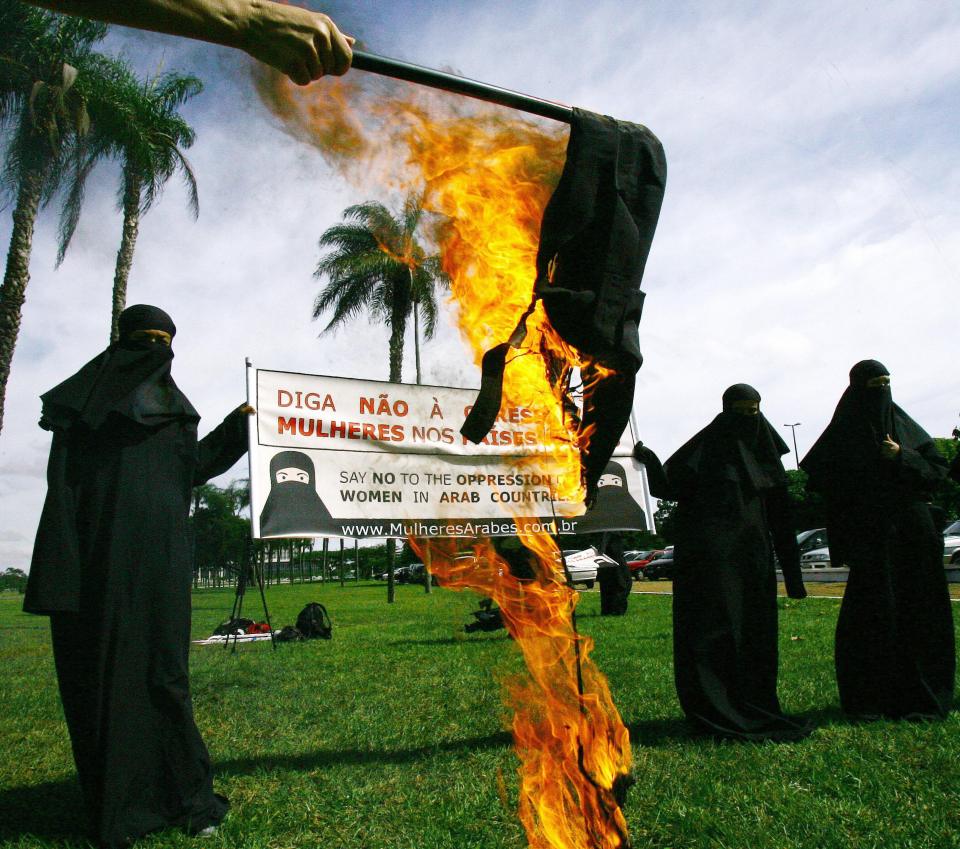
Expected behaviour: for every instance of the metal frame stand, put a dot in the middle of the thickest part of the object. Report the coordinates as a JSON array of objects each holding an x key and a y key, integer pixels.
[{"x": 248, "y": 570}]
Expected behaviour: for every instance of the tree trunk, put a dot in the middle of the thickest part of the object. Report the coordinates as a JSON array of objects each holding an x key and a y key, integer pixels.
[
  {"x": 14, "y": 289},
  {"x": 128, "y": 241},
  {"x": 416, "y": 329},
  {"x": 397, "y": 332}
]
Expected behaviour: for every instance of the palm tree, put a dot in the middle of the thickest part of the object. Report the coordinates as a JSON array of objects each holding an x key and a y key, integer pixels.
[
  {"x": 47, "y": 76},
  {"x": 376, "y": 266},
  {"x": 138, "y": 124}
]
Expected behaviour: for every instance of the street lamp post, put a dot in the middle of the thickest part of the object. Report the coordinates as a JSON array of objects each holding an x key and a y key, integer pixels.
[{"x": 793, "y": 429}]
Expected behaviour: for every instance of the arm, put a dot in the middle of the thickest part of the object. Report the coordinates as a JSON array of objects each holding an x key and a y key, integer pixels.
[
  {"x": 223, "y": 446},
  {"x": 655, "y": 476},
  {"x": 922, "y": 468},
  {"x": 302, "y": 44},
  {"x": 779, "y": 520}
]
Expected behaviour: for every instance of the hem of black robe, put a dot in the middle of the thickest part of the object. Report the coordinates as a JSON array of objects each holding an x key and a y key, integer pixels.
[
  {"x": 192, "y": 823},
  {"x": 867, "y": 715},
  {"x": 214, "y": 815},
  {"x": 779, "y": 729}
]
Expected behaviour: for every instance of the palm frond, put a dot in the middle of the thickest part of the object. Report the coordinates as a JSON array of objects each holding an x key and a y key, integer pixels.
[
  {"x": 174, "y": 89},
  {"x": 73, "y": 202},
  {"x": 347, "y": 297},
  {"x": 353, "y": 238}
]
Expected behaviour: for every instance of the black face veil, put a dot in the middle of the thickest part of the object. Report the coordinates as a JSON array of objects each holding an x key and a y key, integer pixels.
[
  {"x": 849, "y": 448},
  {"x": 293, "y": 505},
  {"x": 615, "y": 507},
  {"x": 734, "y": 444},
  {"x": 131, "y": 378}
]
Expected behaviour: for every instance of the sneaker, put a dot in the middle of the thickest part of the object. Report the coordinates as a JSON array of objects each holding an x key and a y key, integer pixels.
[{"x": 209, "y": 831}]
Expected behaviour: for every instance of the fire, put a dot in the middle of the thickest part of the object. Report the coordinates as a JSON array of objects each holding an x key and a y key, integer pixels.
[
  {"x": 573, "y": 747},
  {"x": 488, "y": 175}
]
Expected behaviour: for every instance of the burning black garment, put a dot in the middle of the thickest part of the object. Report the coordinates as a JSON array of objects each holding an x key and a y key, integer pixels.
[
  {"x": 595, "y": 237},
  {"x": 293, "y": 505},
  {"x": 732, "y": 516},
  {"x": 112, "y": 568},
  {"x": 895, "y": 650}
]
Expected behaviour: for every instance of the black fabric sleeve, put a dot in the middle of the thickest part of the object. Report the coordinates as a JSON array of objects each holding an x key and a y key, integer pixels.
[
  {"x": 923, "y": 468},
  {"x": 780, "y": 522},
  {"x": 655, "y": 476},
  {"x": 54, "y": 582},
  {"x": 222, "y": 447},
  {"x": 954, "y": 472}
]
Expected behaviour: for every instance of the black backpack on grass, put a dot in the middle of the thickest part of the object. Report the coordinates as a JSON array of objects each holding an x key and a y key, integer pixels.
[{"x": 314, "y": 621}]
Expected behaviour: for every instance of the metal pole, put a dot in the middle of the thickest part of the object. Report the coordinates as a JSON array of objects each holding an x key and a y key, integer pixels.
[
  {"x": 793, "y": 429},
  {"x": 461, "y": 85},
  {"x": 647, "y": 505}
]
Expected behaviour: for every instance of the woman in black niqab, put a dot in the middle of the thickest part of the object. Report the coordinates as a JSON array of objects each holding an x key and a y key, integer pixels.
[
  {"x": 293, "y": 505},
  {"x": 112, "y": 568},
  {"x": 876, "y": 469},
  {"x": 732, "y": 516}
]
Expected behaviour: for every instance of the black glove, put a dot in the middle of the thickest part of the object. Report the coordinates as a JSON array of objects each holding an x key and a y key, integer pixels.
[{"x": 642, "y": 454}]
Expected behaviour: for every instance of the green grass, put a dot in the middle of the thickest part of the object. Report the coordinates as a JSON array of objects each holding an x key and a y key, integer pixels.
[{"x": 390, "y": 736}]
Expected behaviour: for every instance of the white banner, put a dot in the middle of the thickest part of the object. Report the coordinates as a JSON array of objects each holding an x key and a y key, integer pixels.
[{"x": 333, "y": 456}]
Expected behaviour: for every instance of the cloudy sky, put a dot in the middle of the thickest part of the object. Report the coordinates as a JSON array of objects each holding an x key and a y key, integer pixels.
[{"x": 812, "y": 214}]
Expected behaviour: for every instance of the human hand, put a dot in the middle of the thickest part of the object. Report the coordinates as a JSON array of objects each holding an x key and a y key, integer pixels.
[
  {"x": 642, "y": 454},
  {"x": 302, "y": 44},
  {"x": 246, "y": 408},
  {"x": 888, "y": 448}
]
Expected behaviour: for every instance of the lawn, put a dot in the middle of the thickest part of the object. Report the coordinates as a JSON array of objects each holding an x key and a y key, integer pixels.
[{"x": 391, "y": 736}]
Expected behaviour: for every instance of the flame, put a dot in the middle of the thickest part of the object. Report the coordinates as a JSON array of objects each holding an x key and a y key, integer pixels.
[
  {"x": 488, "y": 175},
  {"x": 573, "y": 747}
]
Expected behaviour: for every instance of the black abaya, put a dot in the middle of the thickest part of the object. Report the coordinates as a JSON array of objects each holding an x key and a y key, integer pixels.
[
  {"x": 895, "y": 650},
  {"x": 732, "y": 515},
  {"x": 112, "y": 569}
]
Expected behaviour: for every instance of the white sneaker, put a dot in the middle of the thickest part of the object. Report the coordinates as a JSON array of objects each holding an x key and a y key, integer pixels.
[{"x": 209, "y": 831}]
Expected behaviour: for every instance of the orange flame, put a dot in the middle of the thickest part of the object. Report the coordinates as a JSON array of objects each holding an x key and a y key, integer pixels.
[
  {"x": 573, "y": 747},
  {"x": 489, "y": 174}
]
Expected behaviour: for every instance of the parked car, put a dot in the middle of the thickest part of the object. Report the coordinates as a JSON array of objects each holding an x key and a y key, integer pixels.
[
  {"x": 418, "y": 575},
  {"x": 809, "y": 540},
  {"x": 401, "y": 574},
  {"x": 582, "y": 566},
  {"x": 661, "y": 567},
  {"x": 639, "y": 560},
  {"x": 817, "y": 558},
  {"x": 951, "y": 545}
]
